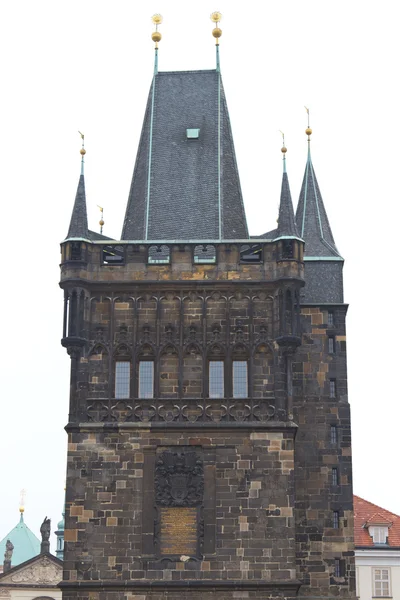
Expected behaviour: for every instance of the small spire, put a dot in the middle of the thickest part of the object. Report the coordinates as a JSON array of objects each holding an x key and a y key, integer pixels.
[
  {"x": 311, "y": 217},
  {"x": 83, "y": 152},
  {"x": 283, "y": 150},
  {"x": 286, "y": 221},
  {"x": 217, "y": 32},
  {"x": 156, "y": 37},
  {"x": 78, "y": 227},
  {"x": 101, "y": 222}
]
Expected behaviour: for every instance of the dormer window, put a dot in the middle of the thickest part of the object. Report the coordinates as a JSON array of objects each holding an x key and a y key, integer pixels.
[{"x": 379, "y": 534}]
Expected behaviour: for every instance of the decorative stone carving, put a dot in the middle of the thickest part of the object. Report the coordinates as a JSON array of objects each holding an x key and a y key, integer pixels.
[
  {"x": 216, "y": 411},
  {"x": 144, "y": 413},
  {"x": 267, "y": 412},
  {"x": 122, "y": 335},
  {"x": 169, "y": 412},
  {"x": 97, "y": 411},
  {"x": 121, "y": 411},
  {"x": 45, "y": 529},
  {"x": 84, "y": 563},
  {"x": 43, "y": 571},
  {"x": 216, "y": 331},
  {"x": 179, "y": 479},
  {"x": 240, "y": 411},
  {"x": 192, "y": 413}
]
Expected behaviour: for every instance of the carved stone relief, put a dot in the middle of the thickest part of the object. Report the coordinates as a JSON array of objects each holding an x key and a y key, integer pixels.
[
  {"x": 179, "y": 479},
  {"x": 43, "y": 571}
]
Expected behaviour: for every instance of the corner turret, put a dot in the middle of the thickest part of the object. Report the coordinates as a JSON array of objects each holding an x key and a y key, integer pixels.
[{"x": 323, "y": 263}]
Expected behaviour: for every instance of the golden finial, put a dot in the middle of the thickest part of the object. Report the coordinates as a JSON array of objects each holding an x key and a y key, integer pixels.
[
  {"x": 22, "y": 501},
  {"x": 308, "y": 130},
  {"x": 101, "y": 222},
  {"x": 283, "y": 149},
  {"x": 156, "y": 35},
  {"x": 217, "y": 32},
  {"x": 82, "y": 150}
]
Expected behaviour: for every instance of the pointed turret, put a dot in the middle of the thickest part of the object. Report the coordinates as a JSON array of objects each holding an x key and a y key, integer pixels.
[
  {"x": 324, "y": 278},
  {"x": 78, "y": 227},
  {"x": 311, "y": 218},
  {"x": 286, "y": 221}
]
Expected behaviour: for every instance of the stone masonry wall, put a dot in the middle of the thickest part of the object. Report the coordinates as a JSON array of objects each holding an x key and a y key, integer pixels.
[
  {"x": 323, "y": 476},
  {"x": 248, "y": 527}
]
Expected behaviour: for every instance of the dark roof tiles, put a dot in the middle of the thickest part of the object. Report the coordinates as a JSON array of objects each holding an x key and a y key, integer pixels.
[
  {"x": 190, "y": 193},
  {"x": 78, "y": 227},
  {"x": 311, "y": 218},
  {"x": 286, "y": 220}
]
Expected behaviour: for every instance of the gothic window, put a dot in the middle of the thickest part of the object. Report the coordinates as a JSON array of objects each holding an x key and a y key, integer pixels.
[
  {"x": 332, "y": 388},
  {"x": 335, "y": 519},
  {"x": 75, "y": 251},
  {"x": 287, "y": 249},
  {"x": 216, "y": 378},
  {"x": 331, "y": 344},
  {"x": 239, "y": 379},
  {"x": 122, "y": 378},
  {"x": 331, "y": 320},
  {"x": 146, "y": 379},
  {"x": 339, "y": 568},
  {"x": 288, "y": 312},
  {"x": 334, "y": 436},
  {"x": 335, "y": 476},
  {"x": 73, "y": 314}
]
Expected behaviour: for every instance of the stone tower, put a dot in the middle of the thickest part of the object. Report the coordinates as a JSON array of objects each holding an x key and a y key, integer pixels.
[{"x": 209, "y": 436}]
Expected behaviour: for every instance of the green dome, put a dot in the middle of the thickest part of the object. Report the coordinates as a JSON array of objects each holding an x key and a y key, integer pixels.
[
  {"x": 26, "y": 544},
  {"x": 61, "y": 525}
]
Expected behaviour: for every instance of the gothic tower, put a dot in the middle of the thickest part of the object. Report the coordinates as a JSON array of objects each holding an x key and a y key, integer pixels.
[{"x": 209, "y": 435}]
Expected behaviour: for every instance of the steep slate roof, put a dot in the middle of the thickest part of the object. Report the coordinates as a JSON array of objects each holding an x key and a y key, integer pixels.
[
  {"x": 78, "y": 227},
  {"x": 190, "y": 183},
  {"x": 311, "y": 218},
  {"x": 367, "y": 512},
  {"x": 26, "y": 544},
  {"x": 286, "y": 221}
]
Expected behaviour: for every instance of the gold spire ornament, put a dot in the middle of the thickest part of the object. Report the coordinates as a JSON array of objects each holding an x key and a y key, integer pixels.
[
  {"x": 22, "y": 501},
  {"x": 217, "y": 32},
  {"x": 283, "y": 149},
  {"x": 308, "y": 130},
  {"x": 101, "y": 222},
  {"x": 82, "y": 151},
  {"x": 156, "y": 35}
]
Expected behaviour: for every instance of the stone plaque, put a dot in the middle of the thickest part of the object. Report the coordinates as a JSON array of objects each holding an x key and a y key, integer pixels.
[{"x": 178, "y": 531}]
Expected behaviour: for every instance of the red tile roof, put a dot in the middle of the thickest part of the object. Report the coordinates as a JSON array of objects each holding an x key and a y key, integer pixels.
[{"x": 367, "y": 512}]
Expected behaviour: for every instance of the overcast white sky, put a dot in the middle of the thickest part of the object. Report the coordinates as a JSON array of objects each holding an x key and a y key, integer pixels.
[{"x": 87, "y": 65}]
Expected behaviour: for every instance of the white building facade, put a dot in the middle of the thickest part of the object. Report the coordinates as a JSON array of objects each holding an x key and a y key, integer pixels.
[{"x": 377, "y": 556}]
